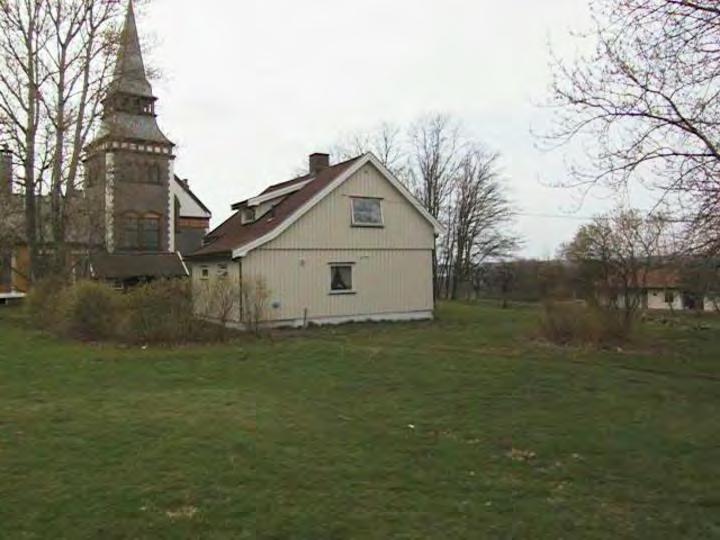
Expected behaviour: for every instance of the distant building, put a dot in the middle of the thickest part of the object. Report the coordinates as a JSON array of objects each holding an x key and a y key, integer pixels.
[
  {"x": 141, "y": 217},
  {"x": 345, "y": 242},
  {"x": 665, "y": 289}
]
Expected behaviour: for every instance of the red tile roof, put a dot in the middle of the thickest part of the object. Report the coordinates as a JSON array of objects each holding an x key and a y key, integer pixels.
[
  {"x": 287, "y": 183},
  {"x": 233, "y": 234},
  {"x": 662, "y": 278}
]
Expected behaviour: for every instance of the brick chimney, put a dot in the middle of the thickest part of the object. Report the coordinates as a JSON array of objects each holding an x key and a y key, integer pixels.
[
  {"x": 6, "y": 170},
  {"x": 318, "y": 162}
]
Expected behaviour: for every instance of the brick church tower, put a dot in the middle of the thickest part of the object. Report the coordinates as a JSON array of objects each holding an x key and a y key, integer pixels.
[
  {"x": 129, "y": 165},
  {"x": 144, "y": 215}
]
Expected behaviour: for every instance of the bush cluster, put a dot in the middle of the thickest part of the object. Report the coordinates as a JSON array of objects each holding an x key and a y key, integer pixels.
[
  {"x": 577, "y": 323},
  {"x": 156, "y": 312}
]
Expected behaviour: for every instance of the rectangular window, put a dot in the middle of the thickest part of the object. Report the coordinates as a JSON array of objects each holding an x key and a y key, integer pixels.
[
  {"x": 142, "y": 234},
  {"x": 129, "y": 234},
  {"x": 150, "y": 234},
  {"x": 341, "y": 278},
  {"x": 204, "y": 272},
  {"x": 366, "y": 212},
  {"x": 222, "y": 271},
  {"x": 669, "y": 297}
]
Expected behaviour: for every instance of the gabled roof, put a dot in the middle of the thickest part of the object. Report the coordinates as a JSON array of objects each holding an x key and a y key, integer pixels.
[
  {"x": 183, "y": 184},
  {"x": 124, "y": 266},
  {"x": 279, "y": 187},
  {"x": 233, "y": 233},
  {"x": 237, "y": 239}
]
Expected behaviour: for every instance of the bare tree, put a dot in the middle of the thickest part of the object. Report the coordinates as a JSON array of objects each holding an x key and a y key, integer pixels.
[
  {"x": 479, "y": 220},
  {"x": 616, "y": 252},
  {"x": 647, "y": 101},
  {"x": 80, "y": 57},
  {"x": 255, "y": 296},
  {"x": 55, "y": 62},
  {"x": 219, "y": 302},
  {"x": 386, "y": 141},
  {"x": 436, "y": 158},
  {"x": 456, "y": 180},
  {"x": 24, "y": 34}
]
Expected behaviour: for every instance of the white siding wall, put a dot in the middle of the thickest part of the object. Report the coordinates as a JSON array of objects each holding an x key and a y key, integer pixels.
[
  {"x": 386, "y": 282},
  {"x": 656, "y": 300},
  {"x": 328, "y": 225},
  {"x": 392, "y": 265},
  {"x": 205, "y": 290},
  {"x": 188, "y": 206}
]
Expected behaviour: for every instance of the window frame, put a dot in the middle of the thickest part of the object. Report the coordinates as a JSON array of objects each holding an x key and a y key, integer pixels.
[
  {"x": 133, "y": 238},
  {"x": 332, "y": 266},
  {"x": 355, "y": 223},
  {"x": 156, "y": 231}
]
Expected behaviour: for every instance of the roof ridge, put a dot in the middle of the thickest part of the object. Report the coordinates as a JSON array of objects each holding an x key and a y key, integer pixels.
[
  {"x": 309, "y": 177},
  {"x": 237, "y": 234}
]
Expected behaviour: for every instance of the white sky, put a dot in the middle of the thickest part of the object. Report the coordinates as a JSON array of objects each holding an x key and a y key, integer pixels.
[{"x": 251, "y": 87}]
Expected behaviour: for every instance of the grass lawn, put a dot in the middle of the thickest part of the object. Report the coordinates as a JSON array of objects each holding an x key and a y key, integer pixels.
[{"x": 462, "y": 428}]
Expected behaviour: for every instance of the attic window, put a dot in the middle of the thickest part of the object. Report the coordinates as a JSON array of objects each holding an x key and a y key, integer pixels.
[
  {"x": 248, "y": 215},
  {"x": 366, "y": 212}
]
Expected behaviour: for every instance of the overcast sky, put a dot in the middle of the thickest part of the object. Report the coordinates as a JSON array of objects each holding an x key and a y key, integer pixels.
[{"x": 251, "y": 87}]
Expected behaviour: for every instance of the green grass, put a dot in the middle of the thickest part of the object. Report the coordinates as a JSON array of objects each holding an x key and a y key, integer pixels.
[{"x": 370, "y": 431}]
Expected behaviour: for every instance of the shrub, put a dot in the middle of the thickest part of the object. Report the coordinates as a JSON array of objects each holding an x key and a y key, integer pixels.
[
  {"x": 159, "y": 312},
  {"x": 577, "y": 323},
  {"x": 88, "y": 310},
  {"x": 156, "y": 312},
  {"x": 43, "y": 301},
  {"x": 255, "y": 295}
]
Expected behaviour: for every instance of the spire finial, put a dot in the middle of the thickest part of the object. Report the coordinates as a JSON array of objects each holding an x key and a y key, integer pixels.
[{"x": 130, "y": 74}]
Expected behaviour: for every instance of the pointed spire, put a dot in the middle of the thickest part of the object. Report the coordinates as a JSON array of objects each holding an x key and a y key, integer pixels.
[{"x": 130, "y": 76}]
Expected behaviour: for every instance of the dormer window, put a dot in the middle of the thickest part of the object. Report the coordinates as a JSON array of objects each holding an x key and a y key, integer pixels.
[
  {"x": 248, "y": 215},
  {"x": 367, "y": 212}
]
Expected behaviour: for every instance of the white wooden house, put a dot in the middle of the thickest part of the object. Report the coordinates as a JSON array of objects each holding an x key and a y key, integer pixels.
[{"x": 342, "y": 243}]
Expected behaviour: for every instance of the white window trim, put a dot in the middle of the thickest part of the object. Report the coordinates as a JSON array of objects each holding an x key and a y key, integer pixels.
[
  {"x": 369, "y": 225},
  {"x": 257, "y": 201},
  {"x": 352, "y": 290}
]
